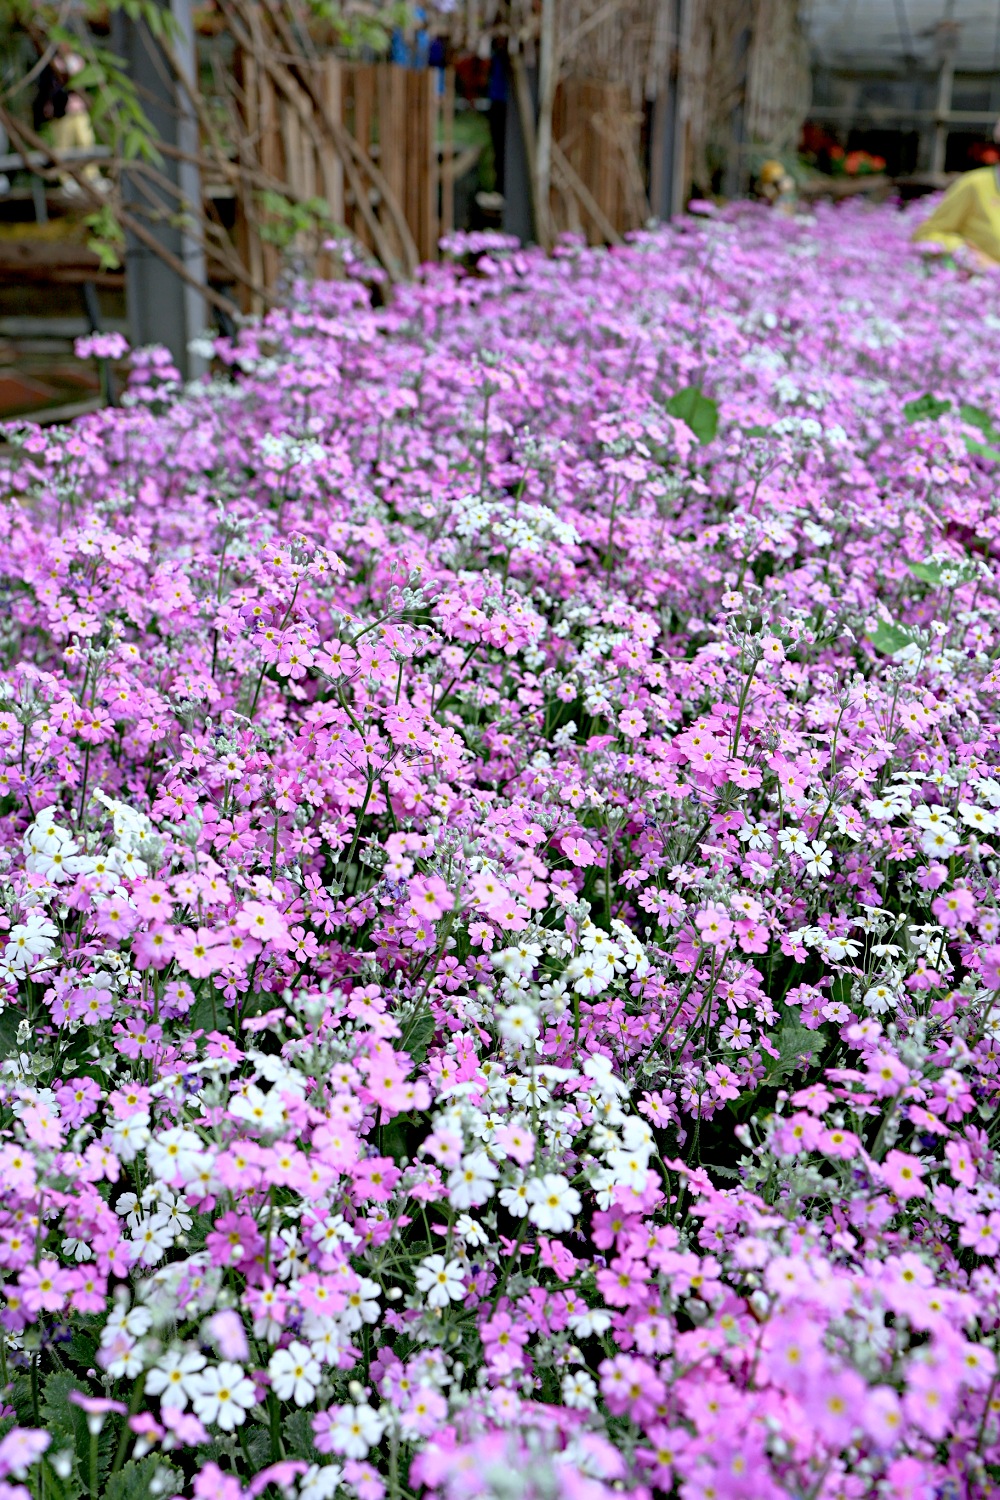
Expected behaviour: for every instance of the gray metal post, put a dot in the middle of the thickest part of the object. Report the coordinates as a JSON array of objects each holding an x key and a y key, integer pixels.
[
  {"x": 518, "y": 214},
  {"x": 663, "y": 131},
  {"x": 947, "y": 44},
  {"x": 163, "y": 307}
]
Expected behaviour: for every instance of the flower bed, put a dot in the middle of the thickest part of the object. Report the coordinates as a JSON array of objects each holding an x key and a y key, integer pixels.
[{"x": 502, "y": 945}]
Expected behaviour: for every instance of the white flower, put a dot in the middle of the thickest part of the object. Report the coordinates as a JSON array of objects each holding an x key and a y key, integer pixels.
[
  {"x": 973, "y": 817},
  {"x": 849, "y": 822},
  {"x": 441, "y": 1280},
  {"x": 471, "y": 1231},
  {"x": 326, "y": 1346},
  {"x": 599, "y": 1068},
  {"x": 595, "y": 940},
  {"x": 638, "y": 1134},
  {"x": 880, "y": 998},
  {"x": 320, "y": 1482},
  {"x": 122, "y": 1359},
  {"x": 45, "y": 834},
  {"x": 882, "y": 809},
  {"x": 357, "y": 1428},
  {"x": 173, "y": 1376},
  {"x": 590, "y": 972},
  {"x": 152, "y": 1238},
  {"x": 819, "y": 860},
  {"x": 629, "y": 1167},
  {"x": 134, "y": 1324},
  {"x": 295, "y": 1373},
  {"x": 938, "y": 841},
  {"x": 472, "y": 1182},
  {"x": 518, "y": 1023},
  {"x": 835, "y": 947},
  {"x": 586, "y": 1324},
  {"x": 579, "y": 1391},
  {"x": 362, "y": 1305},
  {"x": 130, "y": 1136},
  {"x": 927, "y": 816},
  {"x": 223, "y": 1394},
  {"x": 634, "y": 954},
  {"x": 32, "y": 938},
  {"x": 261, "y": 1111},
  {"x": 514, "y": 1197},
  {"x": 553, "y": 1203},
  {"x": 174, "y": 1153},
  {"x": 756, "y": 836},
  {"x": 793, "y": 841}
]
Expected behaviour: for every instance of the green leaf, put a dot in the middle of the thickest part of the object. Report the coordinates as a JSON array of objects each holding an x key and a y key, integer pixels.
[
  {"x": 9, "y": 1021},
  {"x": 699, "y": 412},
  {"x": 68, "y": 1424},
  {"x": 890, "y": 638},
  {"x": 418, "y": 1035},
  {"x": 927, "y": 572},
  {"x": 975, "y": 416},
  {"x": 756, "y": 430},
  {"x": 982, "y": 450},
  {"x": 203, "y": 1015},
  {"x": 925, "y": 408},
  {"x": 796, "y": 1044},
  {"x": 143, "y": 1479},
  {"x": 297, "y": 1432}
]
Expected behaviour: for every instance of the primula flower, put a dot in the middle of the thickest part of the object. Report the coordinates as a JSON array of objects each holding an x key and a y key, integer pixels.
[
  {"x": 440, "y": 1280},
  {"x": 222, "y": 1395},
  {"x": 902, "y": 1175},
  {"x": 294, "y": 1373}
]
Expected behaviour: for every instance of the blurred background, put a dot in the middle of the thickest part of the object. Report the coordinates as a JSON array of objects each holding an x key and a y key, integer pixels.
[{"x": 169, "y": 165}]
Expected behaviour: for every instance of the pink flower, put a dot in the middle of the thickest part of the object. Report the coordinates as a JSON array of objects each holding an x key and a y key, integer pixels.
[
  {"x": 713, "y": 924},
  {"x": 198, "y": 953},
  {"x": 41, "y": 1125},
  {"x": 78, "y": 1099},
  {"x": 45, "y": 1287},
  {"x": 185, "y": 1427},
  {"x": 989, "y": 960},
  {"x": 960, "y": 1162},
  {"x": 908, "y": 1479},
  {"x": 956, "y": 908},
  {"x": 430, "y": 896},
  {"x": 425, "y": 1412},
  {"x": 336, "y": 660},
  {"x": 579, "y": 851},
  {"x": 22, "y": 1447},
  {"x": 902, "y": 1175},
  {"x": 212, "y": 1484},
  {"x": 264, "y": 923},
  {"x": 226, "y": 1329}
]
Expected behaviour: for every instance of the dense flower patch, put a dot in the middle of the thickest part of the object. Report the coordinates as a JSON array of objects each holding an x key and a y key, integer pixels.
[{"x": 499, "y": 808}]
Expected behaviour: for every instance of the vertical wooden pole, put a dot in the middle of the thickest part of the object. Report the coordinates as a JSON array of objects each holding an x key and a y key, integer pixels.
[
  {"x": 448, "y": 154},
  {"x": 548, "y": 74},
  {"x": 363, "y": 126},
  {"x": 680, "y": 177},
  {"x": 248, "y": 241},
  {"x": 429, "y": 177},
  {"x": 332, "y": 167},
  {"x": 271, "y": 163},
  {"x": 392, "y": 127}
]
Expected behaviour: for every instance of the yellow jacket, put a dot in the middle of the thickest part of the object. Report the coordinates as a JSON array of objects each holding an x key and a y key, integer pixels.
[{"x": 968, "y": 214}]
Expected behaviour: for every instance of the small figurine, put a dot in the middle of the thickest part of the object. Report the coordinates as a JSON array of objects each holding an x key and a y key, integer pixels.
[{"x": 777, "y": 186}]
